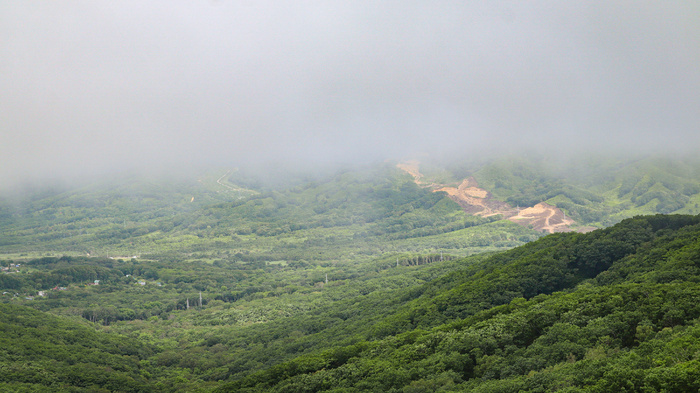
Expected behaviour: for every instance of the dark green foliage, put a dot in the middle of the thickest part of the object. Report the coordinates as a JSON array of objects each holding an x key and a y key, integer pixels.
[
  {"x": 638, "y": 335},
  {"x": 51, "y": 353}
]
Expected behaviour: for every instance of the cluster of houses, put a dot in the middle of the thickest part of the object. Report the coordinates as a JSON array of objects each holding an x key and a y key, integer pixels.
[
  {"x": 9, "y": 269},
  {"x": 18, "y": 295},
  {"x": 14, "y": 268},
  {"x": 44, "y": 293}
]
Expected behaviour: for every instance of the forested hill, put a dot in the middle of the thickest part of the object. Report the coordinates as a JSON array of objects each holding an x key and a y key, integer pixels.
[
  {"x": 612, "y": 310},
  {"x": 355, "y": 214},
  {"x": 593, "y": 190},
  {"x": 357, "y": 280},
  {"x": 40, "y": 352}
]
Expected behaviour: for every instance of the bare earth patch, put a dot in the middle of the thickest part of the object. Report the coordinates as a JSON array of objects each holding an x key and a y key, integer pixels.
[
  {"x": 475, "y": 200},
  {"x": 542, "y": 217},
  {"x": 411, "y": 167}
]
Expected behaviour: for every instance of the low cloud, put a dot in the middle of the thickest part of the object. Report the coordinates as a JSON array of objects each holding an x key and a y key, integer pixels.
[{"x": 96, "y": 87}]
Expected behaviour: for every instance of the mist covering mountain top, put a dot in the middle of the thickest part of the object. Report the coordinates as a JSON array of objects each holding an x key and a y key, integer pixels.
[
  {"x": 93, "y": 88},
  {"x": 213, "y": 188}
]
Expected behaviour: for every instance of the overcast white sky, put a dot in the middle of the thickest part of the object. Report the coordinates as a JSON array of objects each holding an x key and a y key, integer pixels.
[{"x": 89, "y": 86}]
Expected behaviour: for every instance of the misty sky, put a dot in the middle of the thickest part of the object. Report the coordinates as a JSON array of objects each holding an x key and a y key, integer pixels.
[{"x": 92, "y": 86}]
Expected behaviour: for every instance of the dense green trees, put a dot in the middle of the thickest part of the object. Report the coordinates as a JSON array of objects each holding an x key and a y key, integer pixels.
[
  {"x": 40, "y": 351},
  {"x": 351, "y": 281},
  {"x": 335, "y": 216},
  {"x": 611, "y": 309},
  {"x": 596, "y": 336}
]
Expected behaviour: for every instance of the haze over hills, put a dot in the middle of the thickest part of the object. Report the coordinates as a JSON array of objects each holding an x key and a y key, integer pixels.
[
  {"x": 364, "y": 211},
  {"x": 349, "y": 196},
  {"x": 93, "y": 89},
  {"x": 450, "y": 208}
]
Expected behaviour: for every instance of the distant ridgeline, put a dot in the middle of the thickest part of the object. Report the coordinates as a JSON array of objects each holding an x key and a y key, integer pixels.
[
  {"x": 352, "y": 213},
  {"x": 611, "y": 310},
  {"x": 355, "y": 214}
]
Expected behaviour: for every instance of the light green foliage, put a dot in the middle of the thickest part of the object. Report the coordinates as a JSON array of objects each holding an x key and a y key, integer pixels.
[
  {"x": 599, "y": 191},
  {"x": 47, "y": 353},
  {"x": 334, "y": 216}
]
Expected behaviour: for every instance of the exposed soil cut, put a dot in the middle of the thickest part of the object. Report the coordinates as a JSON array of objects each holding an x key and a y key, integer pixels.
[
  {"x": 411, "y": 167},
  {"x": 477, "y": 201},
  {"x": 544, "y": 217}
]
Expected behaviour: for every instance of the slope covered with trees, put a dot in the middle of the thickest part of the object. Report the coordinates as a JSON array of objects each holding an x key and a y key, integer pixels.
[
  {"x": 363, "y": 211},
  {"x": 593, "y": 190},
  {"x": 41, "y": 352},
  {"x": 356, "y": 280},
  {"x": 611, "y": 310},
  {"x": 608, "y": 310}
]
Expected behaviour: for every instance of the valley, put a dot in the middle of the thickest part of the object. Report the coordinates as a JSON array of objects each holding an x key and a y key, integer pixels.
[
  {"x": 349, "y": 197},
  {"x": 395, "y": 276}
]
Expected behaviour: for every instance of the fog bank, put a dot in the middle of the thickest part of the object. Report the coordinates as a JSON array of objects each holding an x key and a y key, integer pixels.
[{"x": 93, "y": 88}]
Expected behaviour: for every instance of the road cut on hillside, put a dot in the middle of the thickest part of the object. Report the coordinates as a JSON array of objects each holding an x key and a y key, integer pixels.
[{"x": 477, "y": 201}]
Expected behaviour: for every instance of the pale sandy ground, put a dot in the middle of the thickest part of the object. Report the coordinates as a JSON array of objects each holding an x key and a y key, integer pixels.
[
  {"x": 544, "y": 217},
  {"x": 411, "y": 167},
  {"x": 477, "y": 201},
  {"x": 474, "y": 200}
]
